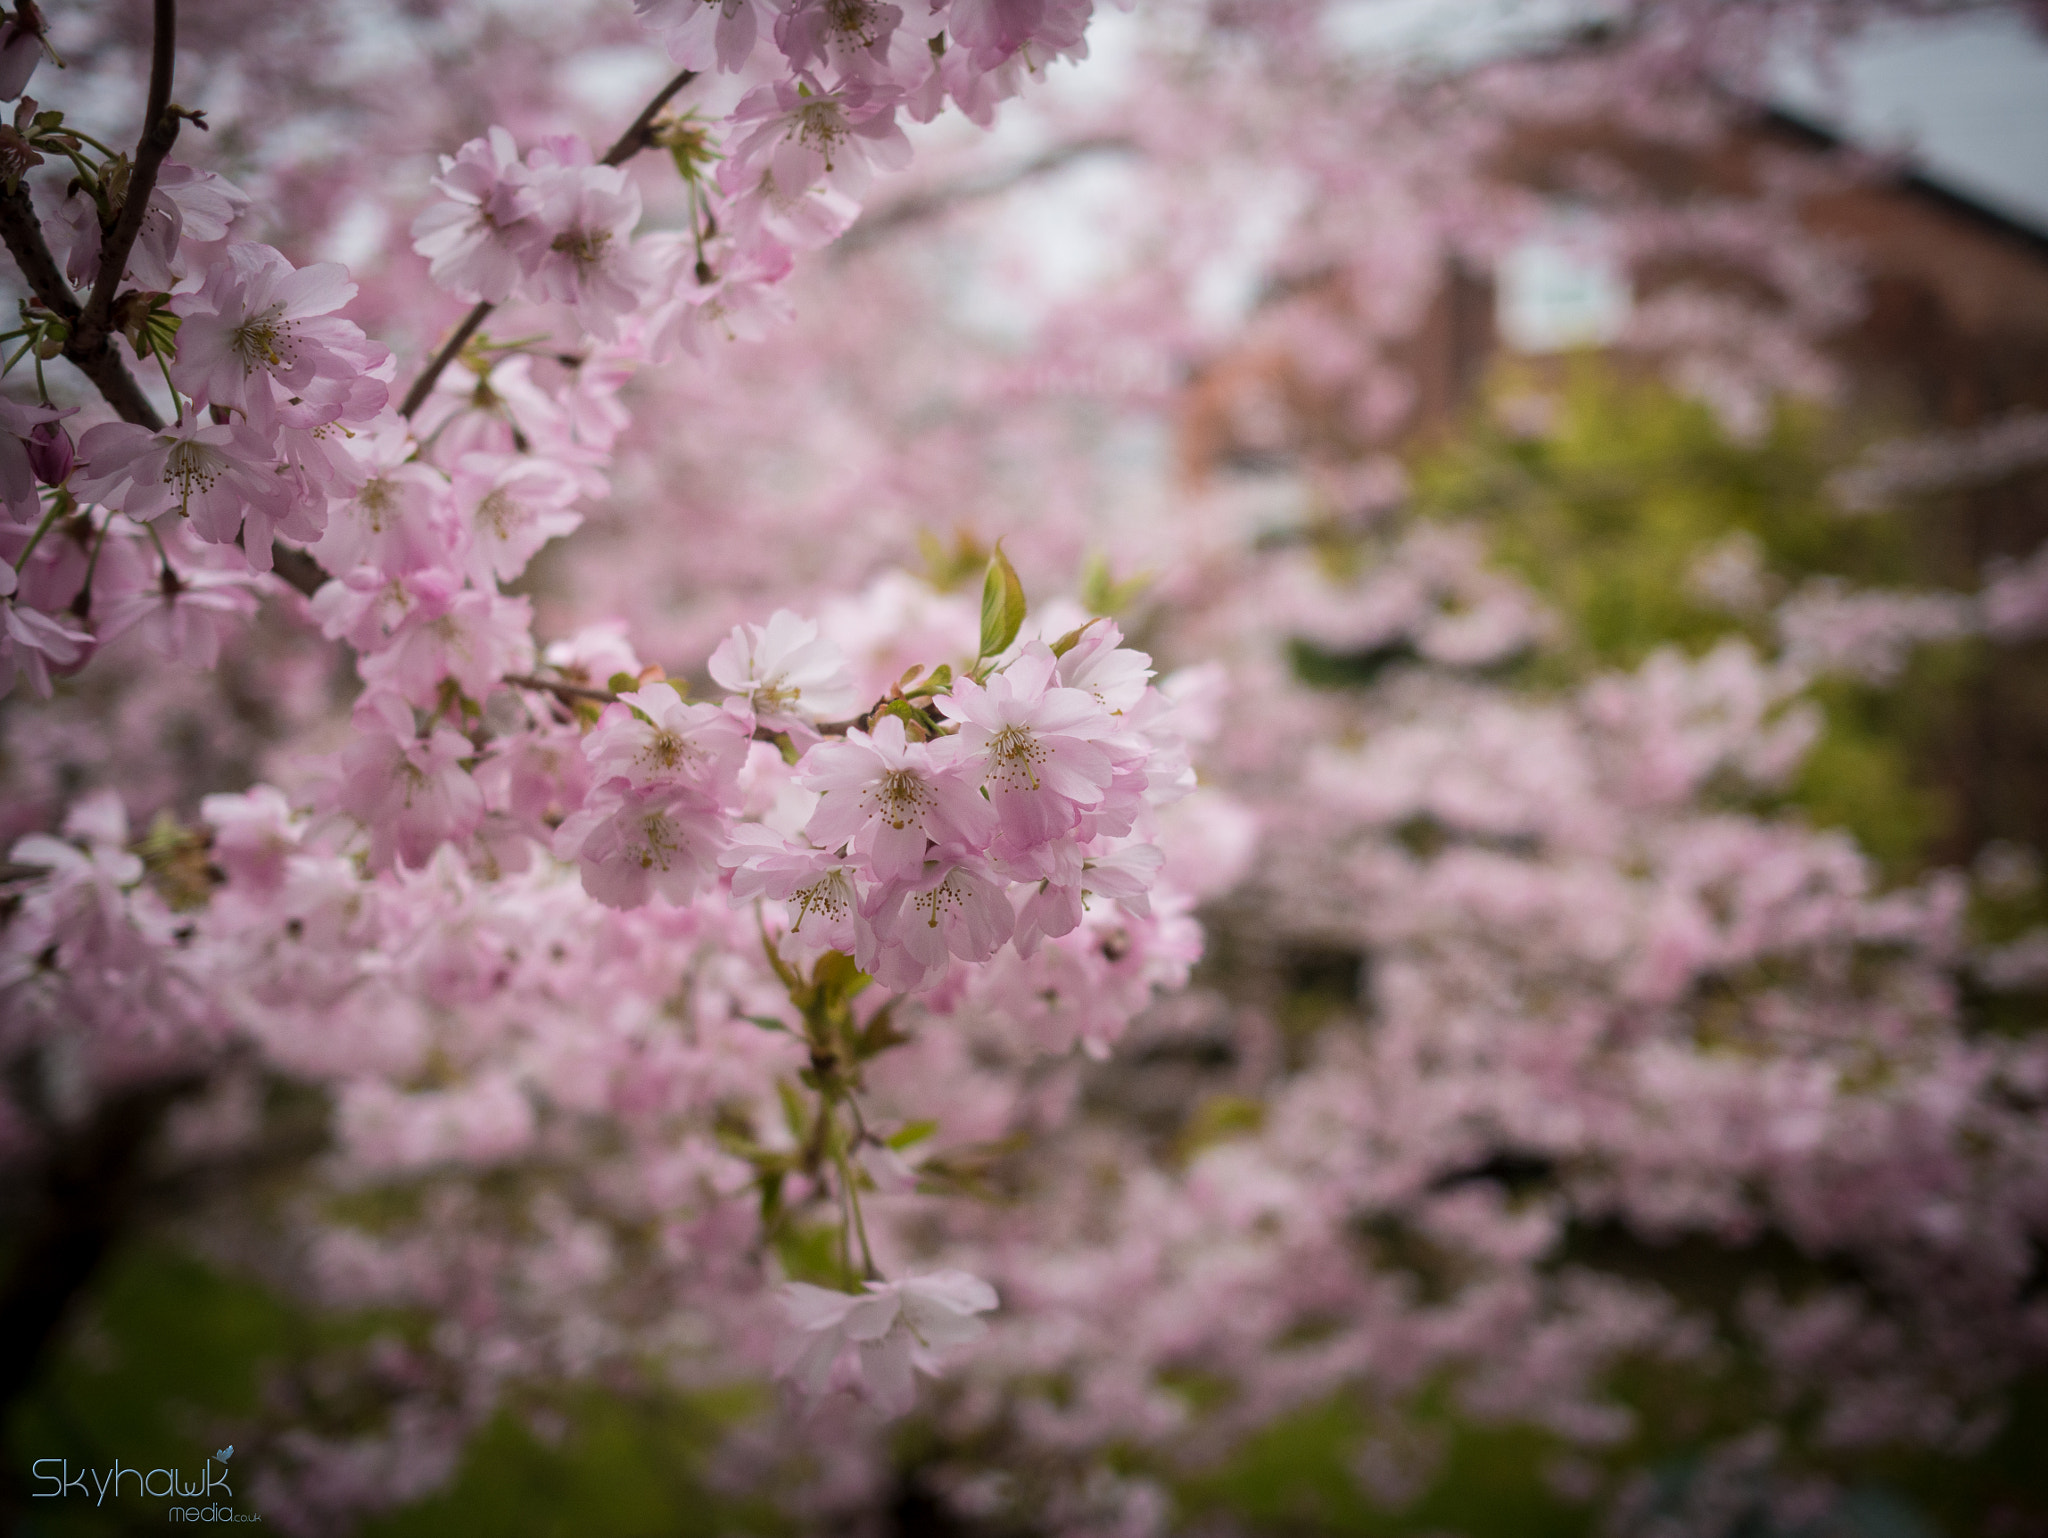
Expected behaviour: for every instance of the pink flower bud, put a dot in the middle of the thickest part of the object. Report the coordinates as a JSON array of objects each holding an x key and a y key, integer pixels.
[{"x": 49, "y": 453}]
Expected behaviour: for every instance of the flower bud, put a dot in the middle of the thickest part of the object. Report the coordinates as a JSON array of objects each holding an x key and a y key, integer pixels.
[{"x": 49, "y": 452}]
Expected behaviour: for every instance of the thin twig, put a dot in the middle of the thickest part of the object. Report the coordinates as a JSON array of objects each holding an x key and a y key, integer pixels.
[
  {"x": 423, "y": 386},
  {"x": 641, "y": 134},
  {"x": 567, "y": 691}
]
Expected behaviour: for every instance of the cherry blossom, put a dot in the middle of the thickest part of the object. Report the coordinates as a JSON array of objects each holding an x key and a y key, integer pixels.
[
  {"x": 887, "y": 797},
  {"x": 471, "y": 639},
  {"x": 791, "y": 677},
  {"x": 955, "y": 906},
  {"x": 512, "y": 505},
  {"x": 586, "y": 217},
  {"x": 259, "y": 326},
  {"x": 484, "y": 240},
  {"x": 895, "y": 1326},
  {"x": 214, "y": 474},
  {"x": 706, "y": 34},
  {"x": 634, "y": 843},
  {"x": 1034, "y": 745},
  {"x": 397, "y": 520},
  {"x": 653, "y": 737}
]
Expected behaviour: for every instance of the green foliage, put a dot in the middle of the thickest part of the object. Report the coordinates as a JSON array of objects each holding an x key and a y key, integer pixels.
[
  {"x": 624, "y": 1467},
  {"x": 172, "y": 1357},
  {"x": 1608, "y": 517},
  {"x": 1298, "y": 1476}
]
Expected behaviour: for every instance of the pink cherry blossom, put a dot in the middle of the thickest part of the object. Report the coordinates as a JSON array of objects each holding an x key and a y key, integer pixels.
[
  {"x": 1034, "y": 746},
  {"x": 472, "y": 639},
  {"x": 214, "y": 474},
  {"x": 888, "y": 796},
  {"x": 184, "y": 614},
  {"x": 706, "y": 34},
  {"x": 653, "y": 737},
  {"x": 259, "y": 327},
  {"x": 957, "y": 906},
  {"x": 586, "y": 216},
  {"x": 791, "y": 677},
  {"x": 32, "y": 642},
  {"x": 634, "y": 843},
  {"x": 818, "y": 887},
  {"x": 487, "y": 236},
  {"x": 397, "y": 521},
  {"x": 510, "y": 505},
  {"x": 413, "y": 793}
]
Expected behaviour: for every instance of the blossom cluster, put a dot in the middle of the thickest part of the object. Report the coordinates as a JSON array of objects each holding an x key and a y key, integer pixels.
[{"x": 793, "y": 159}]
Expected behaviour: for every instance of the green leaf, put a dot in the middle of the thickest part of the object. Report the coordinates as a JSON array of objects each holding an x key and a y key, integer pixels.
[
  {"x": 909, "y": 1133},
  {"x": 835, "y": 974},
  {"x": 1101, "y": 593},
  {"x": 794, "y": 1111},
  {"x": 1072, "y": 638},
  {"x": 622, "y": 683},
  {"x": 880, "y": 1034},
  {"x": 1002, "y": 605},
  {"x": 922, "y": 727},
  {"x": 766, "y": 1022}
]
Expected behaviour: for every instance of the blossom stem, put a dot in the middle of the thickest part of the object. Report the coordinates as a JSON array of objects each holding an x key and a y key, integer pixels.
[
  {"x": 56, "y": 507},
  {"x": 84, "y": 137},
  {"x": 852, "y": 1200},
  {"x": 82, "y": 604},
  {"x": 177, "y": 401}
]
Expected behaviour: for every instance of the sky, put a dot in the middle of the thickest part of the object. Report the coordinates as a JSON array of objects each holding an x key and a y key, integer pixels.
[{"x": 1964, "y": 101}]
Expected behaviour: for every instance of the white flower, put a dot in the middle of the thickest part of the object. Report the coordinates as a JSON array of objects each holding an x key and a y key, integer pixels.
[
  {"x": 895, "y": 1325},
  {"x": 792, "y": 678}
]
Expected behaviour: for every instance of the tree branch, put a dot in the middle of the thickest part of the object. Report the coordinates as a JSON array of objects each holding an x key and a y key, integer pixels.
[
  {"x": 641, "y": 134},
  {"x": 423, "y": 386},
  {"x": 159, "y": 133},
  {"x": 23, "y": 232},
  {"x": 560, "y": 688}
]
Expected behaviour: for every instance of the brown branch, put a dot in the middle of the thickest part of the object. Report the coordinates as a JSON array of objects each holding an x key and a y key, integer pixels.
[
  {"x": 159, "y": 133},
  {"x": 630, "y": 143},
  {"x": 90, "y": 344},
  {"x": 296, "y": 568},
  {"x": 23, "y": 232},
  {"x": 561, "y": 688},
  {"x": 641, "y": 135},
  {"x": 423, "y": 386}
]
